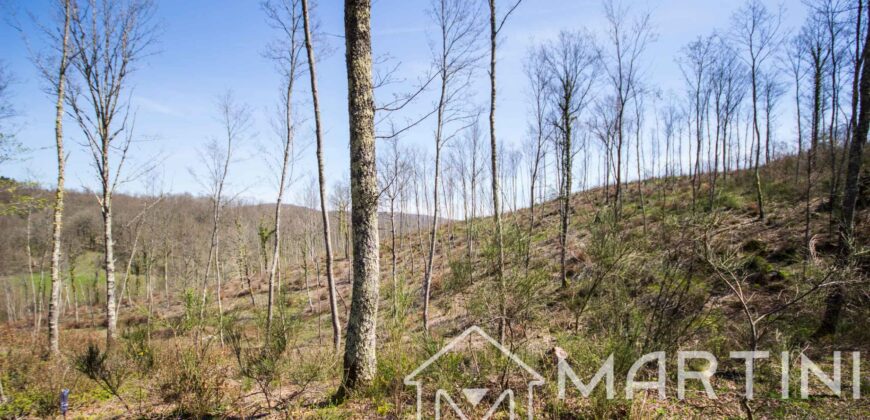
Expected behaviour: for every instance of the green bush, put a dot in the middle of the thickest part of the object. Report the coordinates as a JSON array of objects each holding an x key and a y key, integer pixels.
[
  {"x": 194, "y": 381},
  {"x": 138, "y": 349},
  {"x": 109, "y": 370}
]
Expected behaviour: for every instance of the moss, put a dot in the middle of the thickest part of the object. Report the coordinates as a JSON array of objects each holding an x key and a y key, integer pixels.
[
  {"x": 754, "y": 246},
  {"x": 757, "y": 264}
]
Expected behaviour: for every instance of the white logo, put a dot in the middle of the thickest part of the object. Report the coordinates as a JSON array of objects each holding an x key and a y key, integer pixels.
[{"x": 475, "y": 395}]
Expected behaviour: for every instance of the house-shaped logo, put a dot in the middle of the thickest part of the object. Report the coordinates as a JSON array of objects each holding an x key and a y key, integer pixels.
[{"x": 474, "y": 395}]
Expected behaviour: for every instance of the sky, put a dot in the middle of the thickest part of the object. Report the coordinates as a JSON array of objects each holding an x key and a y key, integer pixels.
[{"x": 207, "y": 47}]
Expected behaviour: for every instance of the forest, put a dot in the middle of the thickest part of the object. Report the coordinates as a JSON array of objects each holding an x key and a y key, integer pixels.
[{"x": 724, "y": 222}]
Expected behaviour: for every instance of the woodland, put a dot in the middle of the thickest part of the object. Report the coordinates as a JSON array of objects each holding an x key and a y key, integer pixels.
[{"x": 728, "y": 216}]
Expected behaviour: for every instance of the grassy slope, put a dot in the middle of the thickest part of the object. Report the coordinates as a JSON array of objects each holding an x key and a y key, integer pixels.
[{"x": 638, "y": 288}]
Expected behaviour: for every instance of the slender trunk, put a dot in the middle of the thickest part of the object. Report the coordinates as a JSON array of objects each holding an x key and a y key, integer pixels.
[
  {"x": 836, "y": 297},
  {"x": 696, "y": 174},
  {"x": 800, "y": 135},
  {"x": 109, "y": 261},
  {"x": 360, "y": 357},
  {"x": 74, "y": 289},
  {"x": 433, "y": 230},
  {"x": 327, "y": 240},
  {"x": 639, "y": 175},
  {"x": 34, "y": 309},
  {"x": 285, "y": 163},
  {"x": 496, "y": 195},
  {"x": 474, "y": 174},
  {"x": 166, "y": 276},
  {"x": 57, "y": 225},
  {"x": 533, "y": 179},
  {"x": 856, "y": 147},
  {"x": 218, "y": 293},
  {"x": 759, "y": 198},
  {"x": 566, "y": 196},
  {"x": 617, "y": 209}
]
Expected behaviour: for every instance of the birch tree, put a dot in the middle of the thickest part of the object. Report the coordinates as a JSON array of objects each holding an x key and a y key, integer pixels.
[
  {"x": 757, "y": 30},
  {"x": 321, "y": 178},
  {"x": 454, "y": 57},
  {"x": 285, "y": 16},
  {"x": 572, "y": 62},
  {"x": 495, "y": 25},
  {"x": 627, "y": 40},
  {"x": 235, "y": 119},
  {"x": 535, "y": 68},
  {"x": 108, "y": 39},
  {"x": 59, "y": 82}
]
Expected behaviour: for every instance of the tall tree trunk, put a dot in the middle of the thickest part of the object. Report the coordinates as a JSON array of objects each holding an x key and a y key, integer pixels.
[
  {"x": 285, "y": 163},
  {"x": 74, "y": 288},
  {"x": 327, "y": 240},
  {"x": 109, "y": 261},
  {"x": 532, "y": 181},
  {"x": 34, "y": 308},
  {"x": 496, "y": 195},
  {"x": 836, "y": 298},
  {"x": 360, "y": 355},
  {"x": 639, "y": 157},
  {"x": 800, "y": 134},
  {"x": 433, "y": 229},
  {"x": 565, "y": 189},
  {"x": 393, "y": 254},
  {"x": 617, "y": 207},
  {"x": 759, "y": 198},
  {"x": 57, "y": 225}
]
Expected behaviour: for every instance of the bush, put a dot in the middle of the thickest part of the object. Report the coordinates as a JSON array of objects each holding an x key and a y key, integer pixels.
[
  {"x": 108, "y": 370},
  {"x": 137, "y": 348},
  {"x": 194, "y": 381},
  {"x": 461, "y": 271},
  {"x": 260, "y": 364}
]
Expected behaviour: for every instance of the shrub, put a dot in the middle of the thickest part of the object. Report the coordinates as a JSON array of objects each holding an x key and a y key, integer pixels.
[
  {"x": 461, "y": 271},
  {"x": 259, "y": 363},
  {"x": 137, "y": 348},
  {"x": 194, "y": 381},
  {"x": 107, "y": 369}
]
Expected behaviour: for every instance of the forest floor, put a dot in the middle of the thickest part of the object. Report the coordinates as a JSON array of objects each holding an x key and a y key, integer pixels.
[{"x": 654, "y": 281}]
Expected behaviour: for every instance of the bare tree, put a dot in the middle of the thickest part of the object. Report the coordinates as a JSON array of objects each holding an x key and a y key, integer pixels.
[
  {"x": 495, "y": 25},
  {"x": 57, "y": 224},
  {"x": 535, "y": 67},
  {"x": 757, "y": 29},
  {"x": 727, "y": 85},
  {"x": 795, "y": 61},
  {"x": 360, "y": 357},
  {"x": 836, "y": 298},
  {"x": 327, "y": 239},
  {"x": 394, "y": 168},
  {"x": 628, "y": 39},
  {"x": 812, "y": 37},
  {"x": 217, "y": 156},
  {"x": 285, "y": 16},
  {"x": 108, "y": 39},
  {"x": 859, "y": 138},
  {"x": 695, "y": 63},
  {"x": 340, "y": 198},
  {"x": 572, "y": 62},
  {"x": 8, "y": 145},
  {"x": 454, "y": 57}
]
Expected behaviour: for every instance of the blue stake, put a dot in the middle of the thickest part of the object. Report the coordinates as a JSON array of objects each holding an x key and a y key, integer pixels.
[{"x": 64, "y": 401}]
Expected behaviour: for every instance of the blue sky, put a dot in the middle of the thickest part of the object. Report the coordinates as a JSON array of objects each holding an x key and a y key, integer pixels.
[{"x": 209, "y": 46}]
